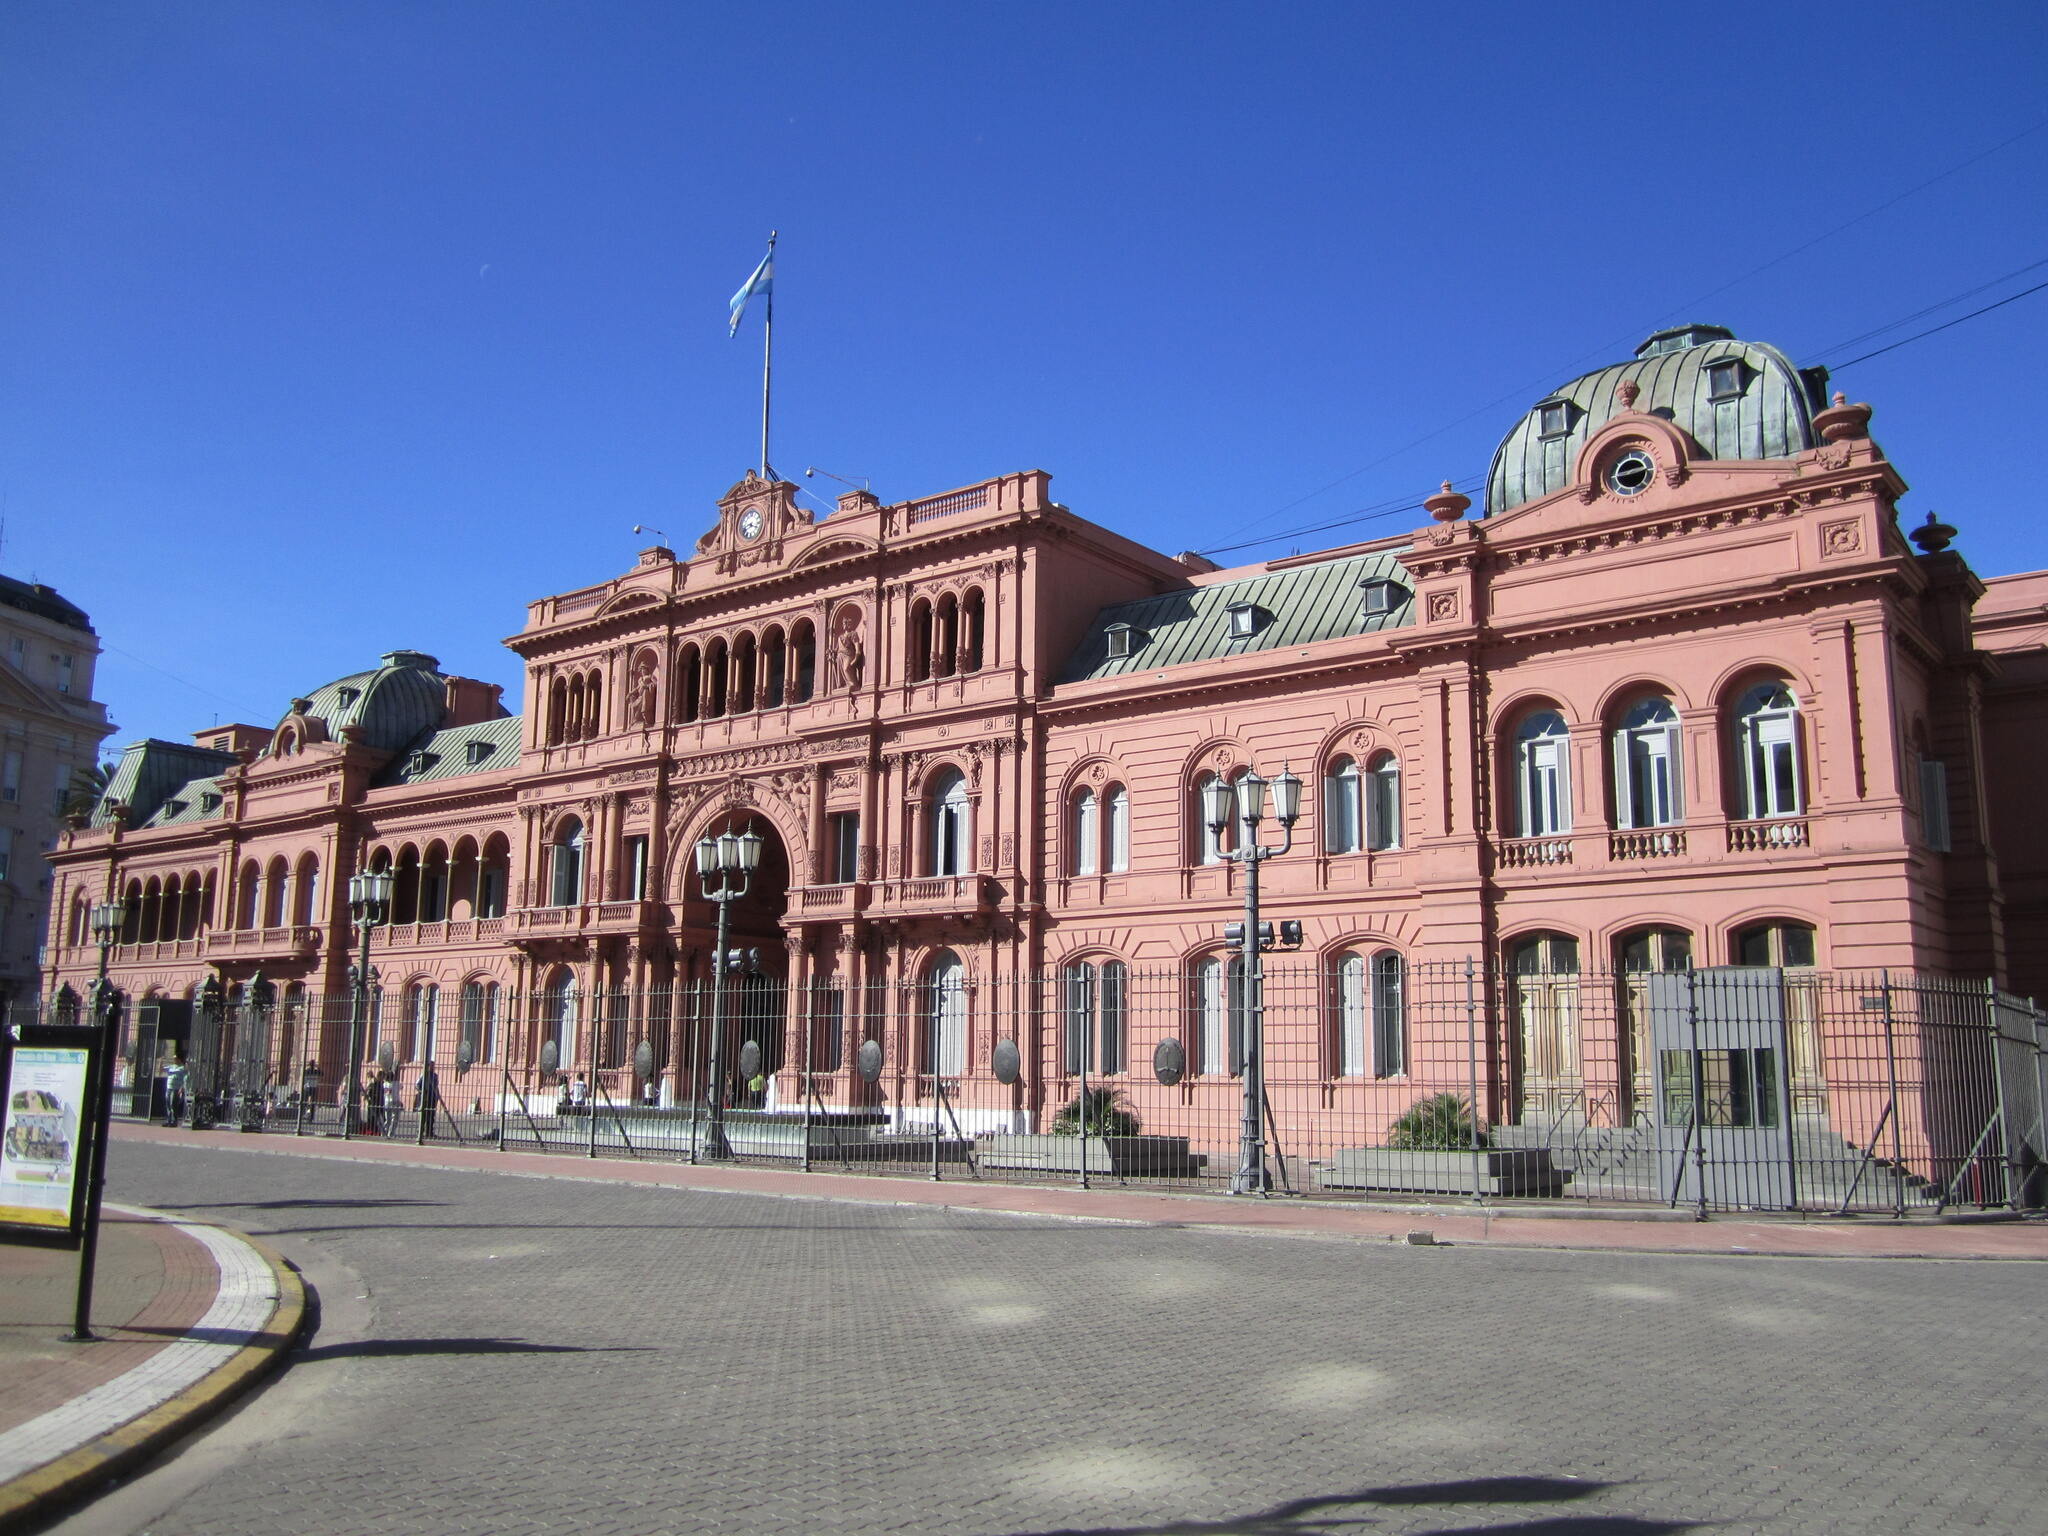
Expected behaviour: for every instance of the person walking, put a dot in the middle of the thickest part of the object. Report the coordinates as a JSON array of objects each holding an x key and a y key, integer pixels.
[
  {"x": 429, "y": 1100},
  {"x": 174, "y": 1089}
]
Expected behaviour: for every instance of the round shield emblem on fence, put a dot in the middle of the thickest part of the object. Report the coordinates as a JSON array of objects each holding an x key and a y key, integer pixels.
[
  {"x": 1170, "y": 1062},
  {"x": 643, "y": 1059},
  {"x": 387, "y": 1058},
  {"x": 750, "y": 1060},
  {"x": 869, "y": 1060},
  {"x": 1006, "y": 1063},
  {"x": 550, "y": 1058},
  {"x": 465, "y": 1056}
]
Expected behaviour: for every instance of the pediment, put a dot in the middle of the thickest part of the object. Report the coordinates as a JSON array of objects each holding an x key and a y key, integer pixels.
[
  {"x": 833, "y": 549},
  {"x": 626, "y": 600}
]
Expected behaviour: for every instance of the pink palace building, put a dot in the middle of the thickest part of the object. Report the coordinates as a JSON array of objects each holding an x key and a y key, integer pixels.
[{"x": 1680, "y": 693}]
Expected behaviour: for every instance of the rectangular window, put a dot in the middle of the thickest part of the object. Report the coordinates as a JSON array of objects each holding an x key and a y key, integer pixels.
[
  {"x": 1389, "y": 1017},
  {"x": 1112, "y": 1007},
  {"x": 1351, "y": 1016},
  {"x": 10, "y": 777},
  {"x": 1080, "y": 1012},
  {"x": 828, "y": 1029},
  {"x": 6, "y": 850},
  {"x": 845, "y": 848},
  {"x": 1544, "y": 804},
  {"x": 1934, "y": 804},
  {"x": 1773, "y": 778},
  {"x": 1383, "y": 805},
  {"x": 490, "y": 891},
  {"x": 636, "y": 868},
  {"x": 63, "y": 674},
  {"x": 1119, "y": 830},
  {"x": 16, "y": 651}
]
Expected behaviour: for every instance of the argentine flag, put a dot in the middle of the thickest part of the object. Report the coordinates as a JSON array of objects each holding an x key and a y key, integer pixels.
[{"x": 762, "y": 282}]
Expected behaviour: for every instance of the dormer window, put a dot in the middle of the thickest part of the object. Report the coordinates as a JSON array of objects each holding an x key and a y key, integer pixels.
[
  {"x": 1381, "y": 597},
  {"x": 477, "y": 751},
  {"x": 209, "y": 802},
  {"x": 1554, "y": 419},
  {"x": 1726, "y": 379},
  {"x": 420, "y": 762},
  {"x": 1122, "y": 640},
  {"x": 347, "y": 696},
  {"x": 174, "y": 808},
  {"x": 1246, "y": 620}
]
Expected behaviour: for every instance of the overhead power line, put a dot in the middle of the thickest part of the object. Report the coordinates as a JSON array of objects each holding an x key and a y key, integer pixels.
[{"x": 1937, "y": 329}]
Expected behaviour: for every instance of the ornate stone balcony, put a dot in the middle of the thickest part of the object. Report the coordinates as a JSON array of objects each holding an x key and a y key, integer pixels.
[
  {"x": 584, "y": 919},
  {"x": 1648, "y": 843},
  {"x": 428, "y": 935},
  {"x": 1775, "y": 836},
  {"x": 831, "y": 900},
  {"x": 1535, "y": 852},
  {"x": 294, "y": 941},
  {"x": 955, "y": 896}
]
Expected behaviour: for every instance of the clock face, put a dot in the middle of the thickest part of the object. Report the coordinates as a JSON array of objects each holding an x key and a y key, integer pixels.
[
  {"x": 1631, "y": 474},
  {"x": 750, "y": 523}
]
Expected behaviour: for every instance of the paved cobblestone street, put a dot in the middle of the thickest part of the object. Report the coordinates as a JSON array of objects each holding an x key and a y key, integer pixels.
[{"x": 520, "y": 1354}]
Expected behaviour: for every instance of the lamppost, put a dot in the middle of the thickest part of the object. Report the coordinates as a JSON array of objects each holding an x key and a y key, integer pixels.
[
  {"x": 369, "y": 906},
  {"x": 1249, "y": 797},
  {"x": 107, "y": 919},
  {"x": 725, "y": 868}
]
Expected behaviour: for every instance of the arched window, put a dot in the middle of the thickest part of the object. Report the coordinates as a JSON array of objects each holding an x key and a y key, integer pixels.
[
  {"x": 306, "y": 890},
  {"x": 952, "y": 824},
  {"x": 565, "y": 865},
  {"x": 973, "y": 625},
  {"x": 1093, "y": 1002},
  {"x": 1767, "y": 736},
  {"x": 1219, "y": 1016},
  {"x": 576, "y": 731},
  {"x": 1383, "y": 802},
  {"x": 1342, "y": 819},
  {"x": 803, "y": 661},
  {"x": 743, "y": 673},
  {"x": 560, "y": 1014},
  {"x": 715, "y": 668},
  {"x": 946, "y": 636},
  {"x": 1389, "y": 1014},
  {"x": 774, "y": 668},
  {"x": 1543, "y": 784},
  {"x": 689, "y": 685},
  {"x": 1636, "y": 955},
  {"x": 1789, "y": 945},
  {"x": 1119, "y": 829},
  {"x": 246, "y": 908},
  {"x": 593, "y": 705},
  {"x": 1646, "y": 787},
  {"x": 945, "y": 1042},
  {"x": 422, "y": 1011},
  {"x": 405, "y": 887},
  {"x": 919, "y": 660},
  {"x": 493, "y": 876},
  {"x": 152, "y": 911},
  {"x": 1083, "y": 834},
  {"x": 558, "y": 711},
  {"x": 1372, "y": 1015},
  {"x": 1211, "y": 845},
  {"x": 480, "y": 1019},
  {"x": 434, "y": 883}
]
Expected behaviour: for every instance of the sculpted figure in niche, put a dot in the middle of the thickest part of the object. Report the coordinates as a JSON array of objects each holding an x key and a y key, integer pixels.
[
  {"x": 640, "y": 692},
  {"x": 848, "y": 656}
]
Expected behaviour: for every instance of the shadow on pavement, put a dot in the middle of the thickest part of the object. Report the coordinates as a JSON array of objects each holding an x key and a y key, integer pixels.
[
  {"x": 1335, "y": 1512},
  {"x": 283, "y": 1205},
  {"x": 366, "y": 1349}
]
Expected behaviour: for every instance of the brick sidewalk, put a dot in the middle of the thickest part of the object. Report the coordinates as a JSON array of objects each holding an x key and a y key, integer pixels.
[{"x": 1652, "y": 1230}]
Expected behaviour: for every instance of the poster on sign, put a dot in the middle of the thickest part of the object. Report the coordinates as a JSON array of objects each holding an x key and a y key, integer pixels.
[{"x": 44, "y": 1139}]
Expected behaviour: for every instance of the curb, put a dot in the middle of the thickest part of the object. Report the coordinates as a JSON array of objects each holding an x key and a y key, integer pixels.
[{"x": 54, "y": 1486}]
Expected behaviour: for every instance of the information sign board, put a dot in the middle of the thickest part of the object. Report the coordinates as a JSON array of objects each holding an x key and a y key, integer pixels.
[{"x": 46, "y": 1130}]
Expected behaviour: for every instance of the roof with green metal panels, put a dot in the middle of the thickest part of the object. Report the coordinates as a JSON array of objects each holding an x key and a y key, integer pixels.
[
  {"x": 1771, "y": 418},
  {"x": 447, "y": 754},
  {"x": 1296, "y": 606},
  {"x": 151, "y": 772},
  {"x": 395, "y": 704},
  {"x": 188, "y": 803}
]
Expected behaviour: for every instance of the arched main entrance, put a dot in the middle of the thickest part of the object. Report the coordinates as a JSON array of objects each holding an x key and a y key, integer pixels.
[{"x": 744, "y": 1000}]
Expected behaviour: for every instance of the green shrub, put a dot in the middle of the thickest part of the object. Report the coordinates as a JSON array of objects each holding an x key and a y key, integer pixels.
[
  {"x": 1440, "y": 1123},
  {"x": 1095, "y": 1113}
]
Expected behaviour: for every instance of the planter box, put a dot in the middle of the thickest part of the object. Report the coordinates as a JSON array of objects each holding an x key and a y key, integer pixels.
[
  {"x": 1524, "y": 1171},
  {"x": 1123, "y": 1156}
]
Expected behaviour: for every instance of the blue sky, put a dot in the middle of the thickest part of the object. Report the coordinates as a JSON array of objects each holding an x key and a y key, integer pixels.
[{"x": 337, "y": 327}]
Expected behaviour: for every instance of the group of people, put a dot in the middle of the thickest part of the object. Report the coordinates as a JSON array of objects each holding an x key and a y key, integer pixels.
[{"x": 383, "y": 1099}]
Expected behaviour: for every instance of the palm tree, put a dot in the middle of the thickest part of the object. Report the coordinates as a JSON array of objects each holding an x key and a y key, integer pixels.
[{"x": 87, "y": 785}]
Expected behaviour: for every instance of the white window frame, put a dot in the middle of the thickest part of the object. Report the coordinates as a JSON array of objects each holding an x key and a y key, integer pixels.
[
  {"x": 1648, "y": 791},
  {"x": 1343, "y": 808},
  {"x": 1119, "y": 829},
  {"x": 1389, "y": 1014},
  {"x": 565, "y": 869},
  {"x": 1083, "y": 856},
  {"x": 1543, "y": 776},
  {"x": 1768, "y": 737},
  {"x": 1352, "y": 1015},
  {"x": 946, "y": 1022},
  {"x": 952, "y": 832},
  {"x": 1382, "y": 794}
]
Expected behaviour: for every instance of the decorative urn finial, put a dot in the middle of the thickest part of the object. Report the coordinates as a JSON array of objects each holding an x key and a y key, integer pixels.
[
  {"x": 1447, "y": 506},
  {"x": 1933, "y": 536},
  {"x": 1628, "y": 390},
  {"x": 1842, "y": 421}
]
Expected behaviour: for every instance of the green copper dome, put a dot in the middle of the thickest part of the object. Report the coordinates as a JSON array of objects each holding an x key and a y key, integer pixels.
[{"x": 1738, "y": 400}]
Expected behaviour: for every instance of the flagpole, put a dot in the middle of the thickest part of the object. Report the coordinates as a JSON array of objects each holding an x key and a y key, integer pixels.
[{"x": 767, "y": 361}]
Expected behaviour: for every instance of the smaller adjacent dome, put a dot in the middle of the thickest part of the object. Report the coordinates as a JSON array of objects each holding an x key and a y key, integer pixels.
[
  {"x": 1737, "y": 399},
  {"x": 403, "y": 698}
]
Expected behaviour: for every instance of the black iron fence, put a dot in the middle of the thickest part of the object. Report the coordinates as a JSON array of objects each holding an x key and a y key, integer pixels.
[{"x": 1718, "y": 1089}]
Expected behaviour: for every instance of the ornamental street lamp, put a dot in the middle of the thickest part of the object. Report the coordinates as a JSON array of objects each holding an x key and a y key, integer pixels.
[
  {"x": 369, "y": 906},
  {"x": 107, "y": 920},
  {"x": 1247, "y": 798},
  {"x": 725, "y": 868}
]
